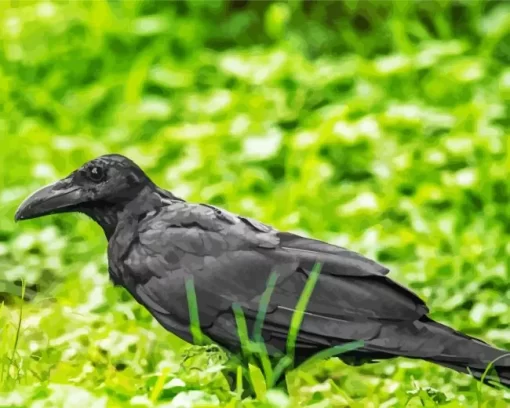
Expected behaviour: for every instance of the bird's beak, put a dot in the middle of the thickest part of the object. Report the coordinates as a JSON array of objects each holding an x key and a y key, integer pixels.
[{"x": 55, "y": 198}]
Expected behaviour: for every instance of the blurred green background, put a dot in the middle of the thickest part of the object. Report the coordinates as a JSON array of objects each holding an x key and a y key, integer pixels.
[{"x": 381, "y": 126}]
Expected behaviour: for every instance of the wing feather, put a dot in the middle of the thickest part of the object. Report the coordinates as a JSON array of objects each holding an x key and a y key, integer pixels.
[{"x": 230, "y": 260}]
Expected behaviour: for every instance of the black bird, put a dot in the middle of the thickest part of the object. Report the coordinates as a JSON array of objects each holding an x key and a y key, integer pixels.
[{"x": 157, "y": 242}]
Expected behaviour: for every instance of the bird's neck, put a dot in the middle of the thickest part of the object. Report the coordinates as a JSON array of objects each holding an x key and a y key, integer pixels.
[
  {"x": 105, "y": 215},
  {"x": 110, "y": 216}
]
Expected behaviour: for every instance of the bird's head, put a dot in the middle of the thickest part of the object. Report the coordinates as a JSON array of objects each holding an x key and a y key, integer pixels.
[{"x": 100, "y": 188}]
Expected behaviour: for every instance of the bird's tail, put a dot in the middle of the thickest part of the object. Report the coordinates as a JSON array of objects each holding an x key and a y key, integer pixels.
[
  {"x": 469, "y": 355},
  {"x": 428, "y": 340}
]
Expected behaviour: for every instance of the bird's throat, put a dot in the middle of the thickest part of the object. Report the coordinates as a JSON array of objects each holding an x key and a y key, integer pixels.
[
  {"x": 108, "y": 215},
  {"x": 104, "y": 215}
]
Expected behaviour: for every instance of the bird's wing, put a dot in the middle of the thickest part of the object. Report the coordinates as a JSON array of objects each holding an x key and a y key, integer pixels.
[{"x": 230, "y": 259}]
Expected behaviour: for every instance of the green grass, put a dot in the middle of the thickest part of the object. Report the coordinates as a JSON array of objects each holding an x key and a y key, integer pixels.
[{"x": 380, "y": 126}]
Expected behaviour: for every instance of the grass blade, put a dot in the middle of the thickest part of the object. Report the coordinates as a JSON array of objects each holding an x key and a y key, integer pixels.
[
  {"x": 160, "y": 383},
  {"x": 258, "y": 382},
  {"x": 199, "y": 338},
  {"x": 239, "y": 383},
  {"x": 284, "y": 363},
  {"x": 297, "y": 316},
  {"x": 259, "y": 323},
  {"x": 242, "y": 330},
  {"x": 194, "y": 319},
  {"x": 263, "y": 305},
  {"x": 332, "y": 352}
]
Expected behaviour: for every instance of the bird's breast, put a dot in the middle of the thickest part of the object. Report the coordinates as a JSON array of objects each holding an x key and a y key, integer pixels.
[{"x": 119, "y": 246}]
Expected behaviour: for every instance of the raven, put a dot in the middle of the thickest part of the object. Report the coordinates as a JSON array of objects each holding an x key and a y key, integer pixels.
[{"x": 157, "y": 242}]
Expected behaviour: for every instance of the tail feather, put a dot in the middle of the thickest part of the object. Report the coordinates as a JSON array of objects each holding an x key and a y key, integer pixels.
[
  {"x": 470, "y": 355},
  {"x": 431, "y": 341}
]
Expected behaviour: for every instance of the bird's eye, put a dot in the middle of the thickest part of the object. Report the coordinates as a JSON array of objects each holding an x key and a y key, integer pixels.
[{"x": 96, "y": 174}]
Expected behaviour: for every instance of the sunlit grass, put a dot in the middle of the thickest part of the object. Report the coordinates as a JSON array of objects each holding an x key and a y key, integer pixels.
[{"x": 380, "y": 126}]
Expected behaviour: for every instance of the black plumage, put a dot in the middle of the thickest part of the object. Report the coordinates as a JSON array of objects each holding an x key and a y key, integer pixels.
[{"x": 156, "y": 242}]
